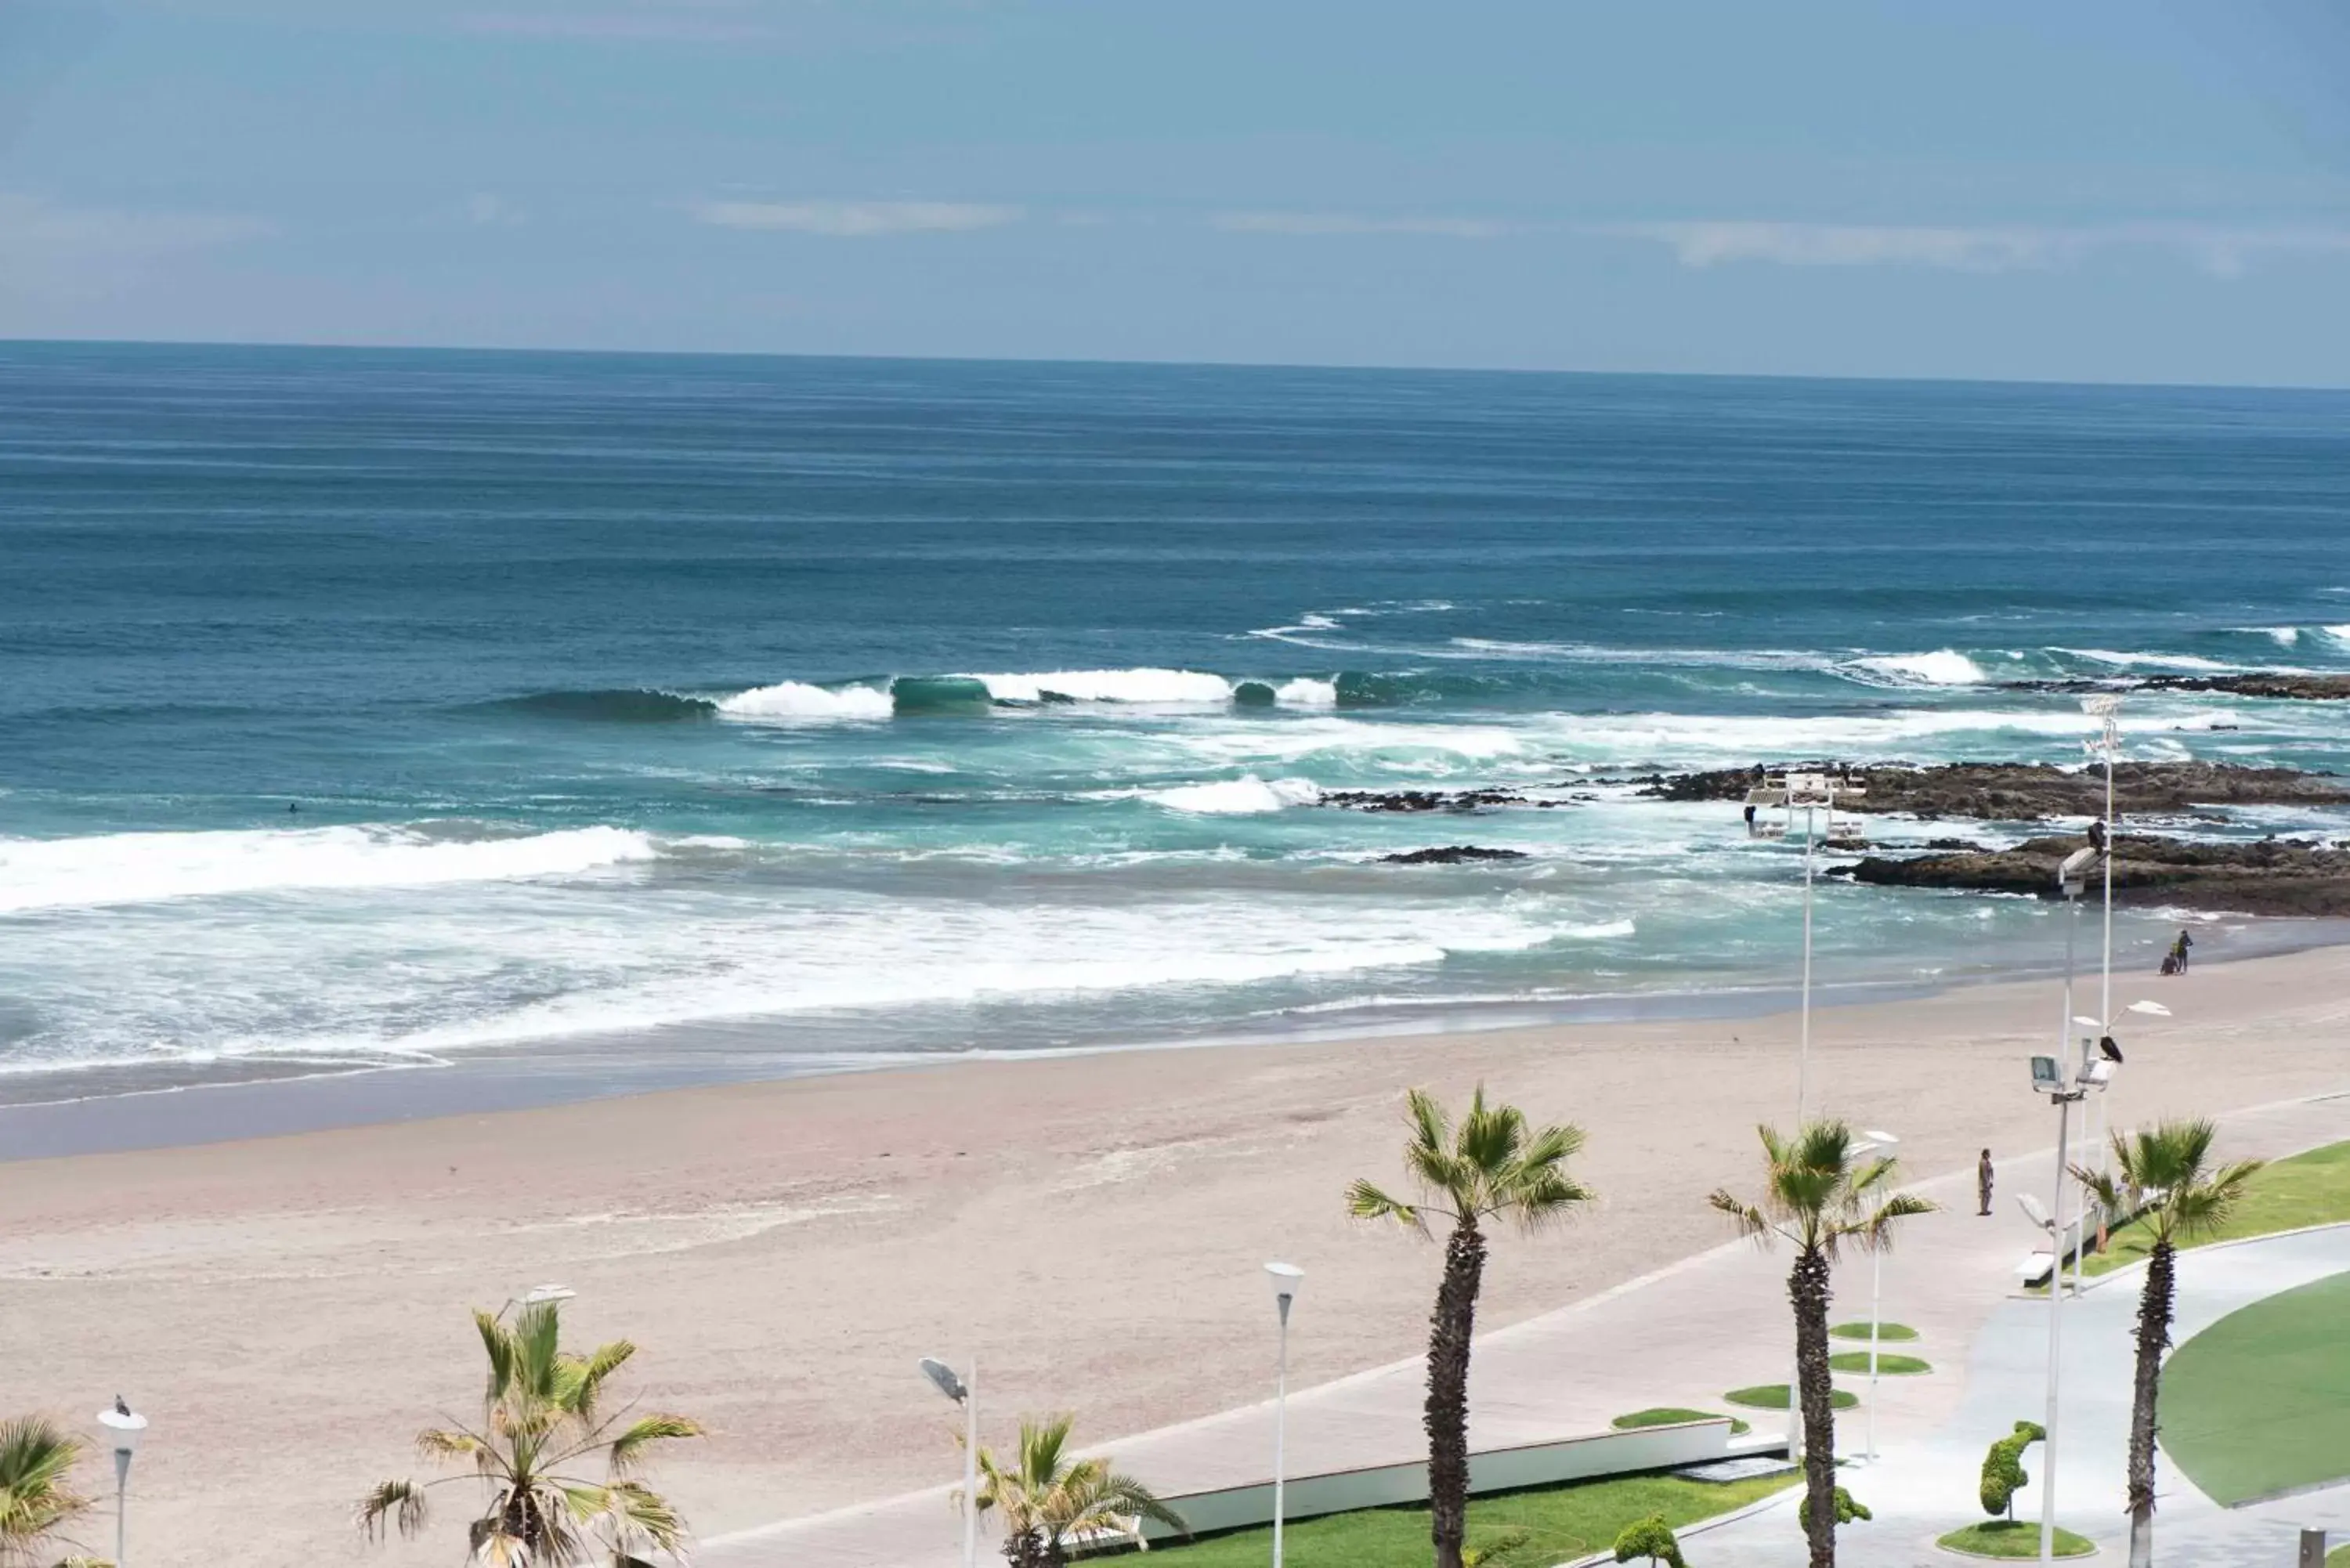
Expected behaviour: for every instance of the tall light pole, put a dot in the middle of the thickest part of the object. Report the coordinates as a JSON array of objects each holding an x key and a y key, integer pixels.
[
  {"x": 1285, "y": 1279},
  {"x": 2051, "y": 1077},
  {"x": 2105, "y": 708},
  {"x": 965, "y": 1393},
  {"x": 1878, "y": 1143},
  {"x": 125, "y": 1425},
  {"x": 1810, "y": 791}
]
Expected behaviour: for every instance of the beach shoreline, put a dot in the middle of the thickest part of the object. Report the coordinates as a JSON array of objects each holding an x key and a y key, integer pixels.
[
  {"x": 1091, "y": 1225},
  {"x": 114, "y": 1111}
]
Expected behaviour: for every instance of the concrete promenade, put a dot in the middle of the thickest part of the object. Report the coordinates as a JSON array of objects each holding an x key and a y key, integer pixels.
[
  {"x": 1682, "y": 1336},
  {"x": 1925, "y": 1485}
]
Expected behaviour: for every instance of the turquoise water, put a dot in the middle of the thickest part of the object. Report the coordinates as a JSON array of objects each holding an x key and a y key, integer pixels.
[{"x": 382, "y": 706}]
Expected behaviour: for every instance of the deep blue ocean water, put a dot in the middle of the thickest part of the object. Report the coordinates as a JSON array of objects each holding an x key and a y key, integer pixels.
[{"x": 380, "y": 706}]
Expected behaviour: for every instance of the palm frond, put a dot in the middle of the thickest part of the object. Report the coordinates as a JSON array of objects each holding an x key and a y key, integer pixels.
[
  {"x": 1750, "y": 1220},
  {"x": 401, "y": 1500},
  {"x": 627, "y": 1450},
  {"x": 1364, "y": 1201}
]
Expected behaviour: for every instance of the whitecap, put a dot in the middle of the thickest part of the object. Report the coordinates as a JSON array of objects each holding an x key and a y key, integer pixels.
[
  {"x": 1944, "y": 667},
  {"x": 147, "y": 867},
  {"x": 798, "y": 700},
  {"x": 1306, "y": 692},
  {"x": 1183, "y": 686},
  {"x": 1246, "y": 795}
]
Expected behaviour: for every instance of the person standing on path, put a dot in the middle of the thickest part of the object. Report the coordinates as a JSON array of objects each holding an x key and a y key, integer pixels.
[{"x": 1982, "y": 1182}]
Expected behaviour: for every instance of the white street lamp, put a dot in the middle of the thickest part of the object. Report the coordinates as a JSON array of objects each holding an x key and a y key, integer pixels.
[
  {"x": 2105, "y": 708},
  {"x": 1810, "y": 791},
  {"x": 1285, "y": 1279},
  {"x": 125, "y": 1425},
  {"x": 538, "y": 1295},
  {"x": 965, "y": 1393},
  {"x": 1876, "y": 1142},
  {"x": 2050, "y": 1076}
]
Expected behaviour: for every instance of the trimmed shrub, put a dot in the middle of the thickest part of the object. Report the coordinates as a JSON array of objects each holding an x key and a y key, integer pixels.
[
  {"x": 1650, "y": 1538},
  {"x": 2002, "y": 1469}
]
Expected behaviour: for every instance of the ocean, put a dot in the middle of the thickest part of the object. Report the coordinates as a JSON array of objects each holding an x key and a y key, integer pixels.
[{"x": 366, "y": 708}]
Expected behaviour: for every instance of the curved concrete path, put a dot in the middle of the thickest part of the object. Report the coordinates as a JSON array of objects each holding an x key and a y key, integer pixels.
[
  {"x": 1923, "y": 1486},
  {"x": 1679, "y": 1336}
]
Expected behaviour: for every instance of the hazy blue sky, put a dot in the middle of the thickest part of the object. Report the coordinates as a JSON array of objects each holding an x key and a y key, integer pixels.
[{"x": 2125, "y": 191}]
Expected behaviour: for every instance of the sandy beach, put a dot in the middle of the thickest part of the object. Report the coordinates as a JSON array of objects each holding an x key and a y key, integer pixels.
[{"x": 290, "y": 1310}]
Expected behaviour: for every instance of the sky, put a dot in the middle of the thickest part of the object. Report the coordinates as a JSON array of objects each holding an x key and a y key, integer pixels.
[{"x": 2100, "y": 190}]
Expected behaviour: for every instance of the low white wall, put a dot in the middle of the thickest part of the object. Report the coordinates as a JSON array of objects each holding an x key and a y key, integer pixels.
[{"x": 1497, "y": 1469}]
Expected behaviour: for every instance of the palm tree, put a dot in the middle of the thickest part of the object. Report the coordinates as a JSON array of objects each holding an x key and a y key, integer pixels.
[
  {"x": 36, "y": 1502},
  {"x": 2165, "y": 1176},
  {"x": 1819, "y": 1192},
  {"x": 540, "y": 1415},
  {"x": 1051, "y": 1502},
  {"x": 1489, "y": 1168}
]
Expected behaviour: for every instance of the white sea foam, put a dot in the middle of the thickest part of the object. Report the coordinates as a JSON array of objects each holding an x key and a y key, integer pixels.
[
  {"x": 1306, "y": 692},
  {"x": 147, "y": 867},
  {"x": 2192, "y": 664},
  {"x": 509, "y": 963},
  {"x": 1306, "y": 737},
  {"x": 1246, "y": 795},
  {"x": 1176, "y": 687},
  {"x": 796, "y": 700},
  {"x": 2340, "y": 633},
  {"x": 1945, "y": 667}
]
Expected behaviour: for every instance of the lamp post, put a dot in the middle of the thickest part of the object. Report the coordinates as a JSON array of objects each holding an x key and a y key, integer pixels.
[
  {"x": 1810, "y": 791},
  {"x": 2050, "y": 1076},
  {"x": 1878, "y": 1143},
  {"x": 538, "y": 1295},
  {"x": 2105, "y": 708},
  {"x": 1285, "y": 1277},
  {"x": 965, "y": 1393},
  {"x": 125, "y": 1425}
]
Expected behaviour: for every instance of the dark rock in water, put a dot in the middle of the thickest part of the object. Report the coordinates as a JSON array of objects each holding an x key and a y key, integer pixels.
[
  {"x": 2278, "y": 683},
  {"x": 1450, "y": 854},
  {"x": 1421, "y": 799},
  {"x": 2260, "y": 683},
  {"x": 1955, "y": 844},
  {"x": 2023, "y": 791},
  {"x": 2273, "y": 877}
]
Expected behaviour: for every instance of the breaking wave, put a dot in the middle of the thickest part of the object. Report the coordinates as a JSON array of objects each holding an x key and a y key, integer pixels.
[
  {"x": 1246, "y": 795},
  {"x": 150, "y": 868}
]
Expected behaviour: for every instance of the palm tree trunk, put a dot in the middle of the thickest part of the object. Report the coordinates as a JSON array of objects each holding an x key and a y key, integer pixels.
[
  {"x": 1807, "y": 1288},
  {"x": 1450, "y": 1327},
  {"x": 2154, "y": 1307}
]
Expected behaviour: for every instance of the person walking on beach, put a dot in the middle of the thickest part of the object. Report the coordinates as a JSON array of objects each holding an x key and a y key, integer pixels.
[
  {"x": 2178, "y": 948},
  {"x": 1982, "y": 1182}
]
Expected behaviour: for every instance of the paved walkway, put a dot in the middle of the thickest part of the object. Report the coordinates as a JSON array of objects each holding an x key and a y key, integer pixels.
[
  {"x": 1924, "y": 1486},
  {"x": 1681, "y": 1336}
]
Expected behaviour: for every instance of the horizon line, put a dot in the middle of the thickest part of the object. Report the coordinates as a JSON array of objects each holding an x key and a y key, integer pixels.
[{"x": 310, "y": 346}]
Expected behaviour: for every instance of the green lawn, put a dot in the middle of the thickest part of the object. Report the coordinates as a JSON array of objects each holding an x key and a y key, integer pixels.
[
  {"x": 2338, "y": 1558},
  {"x": 2259, "y": 1403},
  {"x": 1774, "y": 1396},
  {"x": 1671, "y": 1415},
  {"x": 1555, "y": 1524},
  {"x": 1887, "y": 1333},
  {"x": 2012, "y": 1537},
  {"x": 2310, "y": 1188},
  {"x": 1888, "y": 1364}
]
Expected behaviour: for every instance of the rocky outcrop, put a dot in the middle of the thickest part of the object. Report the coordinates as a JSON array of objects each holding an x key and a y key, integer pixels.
[
  {"x": 2272, "y": 877},
  {"x": 2278, "y": 683},
  {"x": 2026, "y": 792},
  {"x": 1422, "y": 799},
  {"x": 1450, "y": 854},
  {"x": 2263, "y": 684}
]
